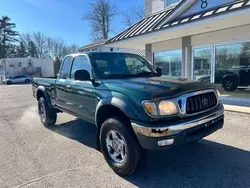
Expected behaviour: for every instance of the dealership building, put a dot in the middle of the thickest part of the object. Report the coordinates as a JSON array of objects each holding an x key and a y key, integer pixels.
[{"x": 197, "y": 39}]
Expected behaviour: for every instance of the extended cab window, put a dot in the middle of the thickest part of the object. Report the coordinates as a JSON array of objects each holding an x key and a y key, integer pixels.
[
  {"x": 80, "y": 63},
  {"x": 65, "y": 69}
]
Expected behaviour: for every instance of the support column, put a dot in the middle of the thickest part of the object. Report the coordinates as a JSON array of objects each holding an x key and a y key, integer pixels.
[
  {"x": 186, "y": 57},
  {"x": 149, "y": 53}
]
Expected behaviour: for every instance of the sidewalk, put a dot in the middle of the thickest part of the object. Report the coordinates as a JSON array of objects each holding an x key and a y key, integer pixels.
[
  {"x": 233, "y": 108},
  {"x": 244, "y": 102},
  {"x": 241, "y": 105},
  {"x": 236, "y": 101}
]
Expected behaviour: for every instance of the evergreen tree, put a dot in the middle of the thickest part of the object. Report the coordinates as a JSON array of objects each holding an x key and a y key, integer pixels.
[
  {"x": 32, "y": 49},
  {"x": 245, "y": 50},
  {"x": 7, "y": 35},
  {"x": 11, "y": 51},
  {"x": 21, "y": 50}
]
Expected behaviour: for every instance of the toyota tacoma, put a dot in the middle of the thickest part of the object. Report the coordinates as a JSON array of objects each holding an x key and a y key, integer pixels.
[{"x": 133, "y": 107}]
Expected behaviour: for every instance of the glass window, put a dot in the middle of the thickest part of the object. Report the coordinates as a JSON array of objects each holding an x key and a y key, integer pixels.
[
  {"x": 65, "y": 69},
  {"x": 202, "y": 64},
  {"x": 170, "y": 62},
  {"x": 80, "y": 63},
  {"x": 232, "y": 63},
  {"x": 120, "y": 65}
]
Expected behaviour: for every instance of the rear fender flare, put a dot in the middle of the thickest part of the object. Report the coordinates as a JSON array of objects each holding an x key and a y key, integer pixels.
[{"x": 45, "y": 94}]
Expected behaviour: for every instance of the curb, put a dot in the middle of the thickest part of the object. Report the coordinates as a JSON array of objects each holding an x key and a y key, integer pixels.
[{"x": 241, "y": 109}]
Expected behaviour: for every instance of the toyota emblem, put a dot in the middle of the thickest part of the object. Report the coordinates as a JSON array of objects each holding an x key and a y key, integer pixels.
[{"x": 204, "y": 101}]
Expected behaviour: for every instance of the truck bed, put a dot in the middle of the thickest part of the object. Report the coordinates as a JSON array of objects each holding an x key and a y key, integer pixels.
[{"x": 47, "y": 83}]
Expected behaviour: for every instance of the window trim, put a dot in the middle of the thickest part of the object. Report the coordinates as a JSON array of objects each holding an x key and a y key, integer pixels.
[
  {"x": 91, "y": 72},
  {"x": 68, "y": 56}
]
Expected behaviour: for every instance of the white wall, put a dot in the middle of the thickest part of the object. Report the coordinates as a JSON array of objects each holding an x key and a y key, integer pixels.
[
  {"x": 232, "y": 34},
  {"x": 46, "y": 65},
  {"x": 167, "y": 45},
  {"x": 47, "y": 68}
]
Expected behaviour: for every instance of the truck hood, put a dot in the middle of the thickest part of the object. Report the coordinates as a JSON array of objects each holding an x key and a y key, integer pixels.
[{"x": 155, "y": 88}]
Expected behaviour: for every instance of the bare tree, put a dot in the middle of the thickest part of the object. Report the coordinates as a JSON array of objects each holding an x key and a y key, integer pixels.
[
  {"x": 100, "y": 15},
  {"x": 41, "y": 42},
  {"x": 58, "y": 48},
  {"x": 47, "y": 47},
  {"x": 133, "y": 15}
]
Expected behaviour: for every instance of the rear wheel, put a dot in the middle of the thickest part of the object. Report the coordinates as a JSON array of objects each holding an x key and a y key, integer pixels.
[
  {"x": 120, "y": 147},
  {"x": 9, "y": 82},
  {"x": 229, "y": 84},
  {"x": 47, "y": 115}
]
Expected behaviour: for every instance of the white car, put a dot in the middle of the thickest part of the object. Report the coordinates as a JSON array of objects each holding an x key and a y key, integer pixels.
[{"x": 17, "y": 80}]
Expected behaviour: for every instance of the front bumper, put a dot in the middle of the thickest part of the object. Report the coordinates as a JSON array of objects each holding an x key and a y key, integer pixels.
[{"x": 182, "y": 131}]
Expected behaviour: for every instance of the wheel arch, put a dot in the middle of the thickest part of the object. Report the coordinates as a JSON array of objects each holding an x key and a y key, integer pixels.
[
  {"x": 41, "y": 92},
  {"x": 230, "y": 76},
  {"x": 114, "y": 107}
]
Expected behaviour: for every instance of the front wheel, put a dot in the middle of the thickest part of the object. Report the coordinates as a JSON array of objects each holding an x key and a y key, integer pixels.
[
  {"x": 27, "y": 81},
  {"x": 9, "y": 82},
  {"x": 120, "y": 147},
  {"x": 47, "y": 115}
]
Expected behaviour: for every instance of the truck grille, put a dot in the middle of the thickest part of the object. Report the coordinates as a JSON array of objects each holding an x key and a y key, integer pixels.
[{"x": 199, "y": 103}]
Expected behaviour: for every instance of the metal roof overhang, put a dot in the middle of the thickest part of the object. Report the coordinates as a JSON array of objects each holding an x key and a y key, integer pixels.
[{"x": 208, "y": 24}]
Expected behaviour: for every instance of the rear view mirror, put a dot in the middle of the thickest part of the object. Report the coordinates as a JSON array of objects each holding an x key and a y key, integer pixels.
[
  {"x": 82, "y": 75},
  {"x": 159, "y": 71}
]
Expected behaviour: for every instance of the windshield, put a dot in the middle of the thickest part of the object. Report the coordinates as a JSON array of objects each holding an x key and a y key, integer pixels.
[{"x": 120, "y": 65}]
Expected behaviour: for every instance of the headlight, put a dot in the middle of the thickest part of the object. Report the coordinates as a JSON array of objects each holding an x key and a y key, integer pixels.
[
  {"x": 164, "y": 108},
  {"x": 168, "y": 108},
  {"x": 218, "y": 93}
]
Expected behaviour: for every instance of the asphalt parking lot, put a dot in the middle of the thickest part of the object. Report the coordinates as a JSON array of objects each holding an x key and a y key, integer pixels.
[{"x": 65, "y": 156}]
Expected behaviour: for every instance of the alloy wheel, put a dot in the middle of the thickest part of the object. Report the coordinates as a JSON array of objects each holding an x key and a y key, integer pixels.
[{"x": 116, "y": 145}]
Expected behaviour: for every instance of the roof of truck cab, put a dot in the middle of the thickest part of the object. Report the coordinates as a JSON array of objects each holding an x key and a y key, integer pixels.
[{"x": 90, "y": 52}]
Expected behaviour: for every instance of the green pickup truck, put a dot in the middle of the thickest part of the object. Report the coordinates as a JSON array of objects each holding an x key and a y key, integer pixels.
[{"x": 134, "y": 108}]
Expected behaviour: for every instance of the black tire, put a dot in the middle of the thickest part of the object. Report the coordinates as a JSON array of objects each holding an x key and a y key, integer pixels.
[
  {"x": 135, "y": 155},
  {"x": 9, "y": 82},
  {"x": 229, "y": 84},
  {"x": 47, "y": 115},
  {"x": 27, "y": 81}
]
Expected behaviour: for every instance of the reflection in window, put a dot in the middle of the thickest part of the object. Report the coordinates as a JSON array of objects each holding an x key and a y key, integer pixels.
[
  {"x": 169, "y": 62},
  {"x": 233, "y": 59},
  {"x": 202, "y": 64},
  {"x": 80, "y": 63}
]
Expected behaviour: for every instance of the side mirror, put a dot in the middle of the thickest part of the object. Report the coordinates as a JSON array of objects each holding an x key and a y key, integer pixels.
[
  {"x": 82, "y": 75},
  {"x": 159, "y": 71}
]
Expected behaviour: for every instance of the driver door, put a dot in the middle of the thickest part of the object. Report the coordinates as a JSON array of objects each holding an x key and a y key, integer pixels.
[{"x": 82, "y": 95}]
